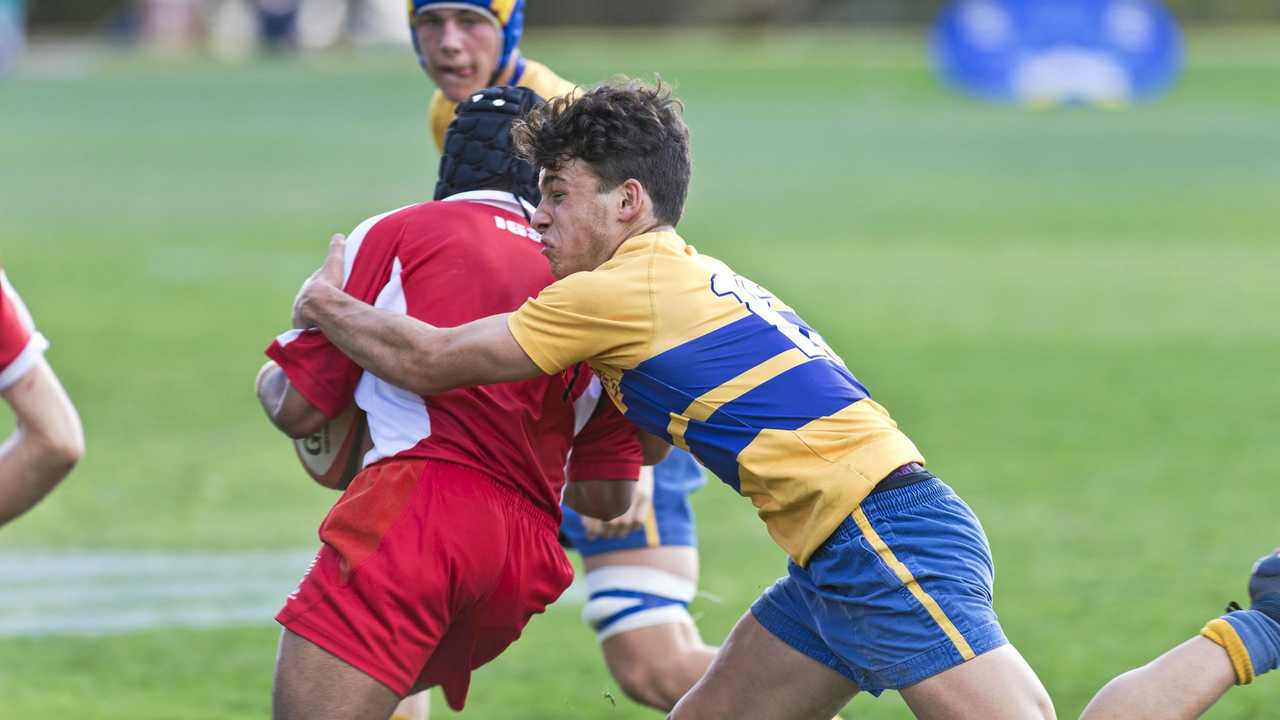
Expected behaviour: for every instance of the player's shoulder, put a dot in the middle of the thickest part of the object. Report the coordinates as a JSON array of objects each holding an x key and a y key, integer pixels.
[
  {"x": 471, "y": 225},
  {"x": 439, "y": 213},
  {"x": 383, "y": 224},
  {"x": 440, "y": 103}
]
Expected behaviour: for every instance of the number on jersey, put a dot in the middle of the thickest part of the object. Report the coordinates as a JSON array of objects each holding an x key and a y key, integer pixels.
[{"x": 761, "y": 303}]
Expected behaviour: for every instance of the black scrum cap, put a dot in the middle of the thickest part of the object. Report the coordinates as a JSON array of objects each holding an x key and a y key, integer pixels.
[{"x": 478, "y": 151}]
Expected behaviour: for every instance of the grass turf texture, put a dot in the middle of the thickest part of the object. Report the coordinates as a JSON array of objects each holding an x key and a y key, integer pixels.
[{"x": 1071, "y": 312}]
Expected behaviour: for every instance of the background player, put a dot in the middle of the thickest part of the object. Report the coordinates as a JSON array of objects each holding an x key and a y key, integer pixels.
[
  {"x": 1189, "y": 679},
  {"x": 440, "y": 551},
  {"x": 48, "y": 441},
  {"x": 641, "y": 569},
  {"x": 467, "y": 45}
]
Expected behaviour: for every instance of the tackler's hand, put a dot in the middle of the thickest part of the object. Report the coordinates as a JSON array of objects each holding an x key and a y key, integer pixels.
[{"x": 327, "y": 279}]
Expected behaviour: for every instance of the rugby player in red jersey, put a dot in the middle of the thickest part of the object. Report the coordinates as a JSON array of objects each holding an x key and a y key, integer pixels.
[
  {"x": 442, "y": 548},
  {"x": 49, "y": 440},
  {"x": 641, "y": 569}
]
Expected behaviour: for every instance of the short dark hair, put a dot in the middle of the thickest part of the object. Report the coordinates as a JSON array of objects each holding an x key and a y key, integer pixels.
[{"x": 622, "y": 129}]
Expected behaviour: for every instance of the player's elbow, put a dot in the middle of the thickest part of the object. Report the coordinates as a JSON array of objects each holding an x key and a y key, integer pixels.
[
  {"x": 606, "y": 510},
  {"x": 57, "y": 452},
  {"x": 290, "y": 412},
  {"x": 655, "y": 449},
  {"x": 298, "y": 427}
]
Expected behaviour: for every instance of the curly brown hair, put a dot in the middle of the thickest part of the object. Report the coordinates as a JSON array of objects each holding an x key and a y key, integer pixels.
[{"x": 621, "y": 129}]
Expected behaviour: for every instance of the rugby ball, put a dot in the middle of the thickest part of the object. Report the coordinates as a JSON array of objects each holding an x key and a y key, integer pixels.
[{"x": 335, "y": 454}]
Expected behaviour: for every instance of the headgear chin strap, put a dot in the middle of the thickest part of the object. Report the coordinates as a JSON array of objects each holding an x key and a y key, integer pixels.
[
  {"x": 509, "y": 14},
  {"x": 479, "y": 153}
]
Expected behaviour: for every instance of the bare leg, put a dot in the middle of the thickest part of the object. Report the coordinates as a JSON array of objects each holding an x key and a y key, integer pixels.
[
  {"x": 656, "y": 665},
  {"x": 311, "y": 684},
  {"x": 1186, "y": 681},
  {"x": 998, "y": 685},
  {"x": 1182, "y": 683},
  {"x": 757, "y": 676}
]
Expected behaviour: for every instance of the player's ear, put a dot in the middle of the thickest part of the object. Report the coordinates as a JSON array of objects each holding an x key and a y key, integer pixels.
[{"x": 632, "y": 200}]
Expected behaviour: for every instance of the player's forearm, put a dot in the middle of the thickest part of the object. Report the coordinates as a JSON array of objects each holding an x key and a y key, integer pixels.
[
  {"x": 401, "y": 350},
  {"x": 30, "y": 467},
  {"x": 655, "y": 448},
  {"x": 48, "y": 443},
  {"x": 600, "y": 499}
]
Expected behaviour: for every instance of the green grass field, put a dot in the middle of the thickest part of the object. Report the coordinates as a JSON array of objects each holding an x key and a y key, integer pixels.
[{"x": 1067, "y": 310}]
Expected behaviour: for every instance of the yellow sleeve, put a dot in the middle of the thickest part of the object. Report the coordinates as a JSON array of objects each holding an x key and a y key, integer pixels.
[
  {"x": 603, "y": 316},
  {"x": 440, "y": 115}
]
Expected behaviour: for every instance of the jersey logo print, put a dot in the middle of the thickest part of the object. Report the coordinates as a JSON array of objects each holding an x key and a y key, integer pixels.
[
  {"x": 516, "y": 228},
  {"x": 760, "y": 302}
]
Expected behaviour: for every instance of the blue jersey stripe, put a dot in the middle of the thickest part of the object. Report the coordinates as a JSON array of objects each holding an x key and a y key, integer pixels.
[
  {"x": 709, "y": 361},
  {"x": 648, "y": 400},
  {"x": 789, "y": 401},
  {"x": 718, "y": 448},
  {"x": 793, "y": 399}
]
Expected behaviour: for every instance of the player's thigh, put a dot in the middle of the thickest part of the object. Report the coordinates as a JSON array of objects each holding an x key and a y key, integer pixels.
[
  {"x": 997, "y": 685},
  {"x": 312, "y": 684},
  {"x": 756, "y": 675}
]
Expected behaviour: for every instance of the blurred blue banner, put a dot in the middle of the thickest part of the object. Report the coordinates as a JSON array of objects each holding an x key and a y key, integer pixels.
[
  {"x": 12, "y": 25},
  {"x": 1049, "y": 52}
]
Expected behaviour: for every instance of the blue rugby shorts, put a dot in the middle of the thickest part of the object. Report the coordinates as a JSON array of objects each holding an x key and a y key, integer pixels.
[{"x": 900, "y": 592}]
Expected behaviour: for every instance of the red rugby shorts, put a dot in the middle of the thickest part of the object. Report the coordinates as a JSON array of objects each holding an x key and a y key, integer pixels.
[{"x": 428, "y": 571}]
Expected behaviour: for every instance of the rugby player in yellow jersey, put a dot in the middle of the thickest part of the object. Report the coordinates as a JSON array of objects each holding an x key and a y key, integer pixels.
[
  {"x": 642, "y": 568},
  {"x": 889, "y": 585},
  {"x": 466, "y": 46}
]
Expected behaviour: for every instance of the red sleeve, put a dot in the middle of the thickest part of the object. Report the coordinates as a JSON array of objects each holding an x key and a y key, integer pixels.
[
  {"x": 607, "y": 448},
  {"x": 15, "y": 331},
  {"x": 316, "y": 368},
  {"x": 21, "y": 346}
]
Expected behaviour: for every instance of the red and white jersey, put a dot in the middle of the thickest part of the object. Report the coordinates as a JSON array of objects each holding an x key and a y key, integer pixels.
[
  {"x": 447, "y": 263},
  {"x": 21, "y": 346}
]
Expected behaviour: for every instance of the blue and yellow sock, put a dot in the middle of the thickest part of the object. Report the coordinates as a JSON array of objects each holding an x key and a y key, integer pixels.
[{"x": 1252, "y": 637}]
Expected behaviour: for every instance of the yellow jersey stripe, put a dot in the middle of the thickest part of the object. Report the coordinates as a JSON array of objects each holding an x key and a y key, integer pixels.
[
  {"x": 651, "y": 536},
  {"x": 676, "y": 429},
  {"x": 909, "y": 580},
  {"x": 706, "y": 405},
  {"x": 1220, "y": 632}
]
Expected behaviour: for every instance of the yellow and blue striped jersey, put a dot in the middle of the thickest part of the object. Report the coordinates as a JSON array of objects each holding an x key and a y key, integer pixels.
[
  {"x": 710, "y": 361},
  {"x": 535, "y": 76}
]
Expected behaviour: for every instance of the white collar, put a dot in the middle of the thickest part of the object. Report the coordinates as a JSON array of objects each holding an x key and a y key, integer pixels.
[{"x": 497, "y": 198}]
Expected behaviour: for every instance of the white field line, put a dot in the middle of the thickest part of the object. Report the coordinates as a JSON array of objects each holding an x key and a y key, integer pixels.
[{"x": 106, "y": 592}]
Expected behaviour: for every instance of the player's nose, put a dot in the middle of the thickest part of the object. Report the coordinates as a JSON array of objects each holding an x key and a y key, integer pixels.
[
  {"x": 541, "y": 220},
  {"x": 451, "y": 36}
]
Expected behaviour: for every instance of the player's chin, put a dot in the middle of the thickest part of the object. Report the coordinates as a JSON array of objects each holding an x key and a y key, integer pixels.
[
  {"x": 458, "y": 88},
  {"x": 558, "y": 271}
]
